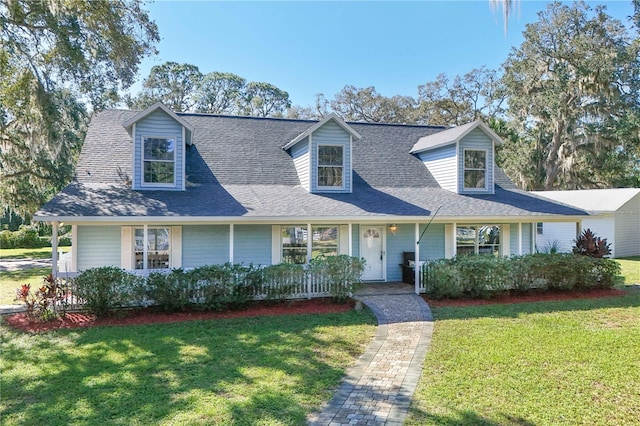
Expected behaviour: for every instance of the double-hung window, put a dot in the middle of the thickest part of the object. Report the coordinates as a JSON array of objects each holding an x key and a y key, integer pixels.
[
  {"x": 475, "y": 169},
  {"x": 296, "y": 243},
  {"x": 478, "y": 239},
  {"x": 330, "y": 166},
  {"x": 159, "y": 158},
  {"x": 152, "y": 248}
]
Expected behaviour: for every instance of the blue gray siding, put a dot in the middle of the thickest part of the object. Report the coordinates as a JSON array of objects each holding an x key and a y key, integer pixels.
[
  {"x": 355, "y": 240},
  {"x": 300, "y": 154},
  {"x": 331, "y": 134},
  {"x": 98, "y": 246},
  {"x": 431, "y": 246},
  {"x": 526, "y": 238},
  {"x": 441, "y": 162},
  {"x": 432, "y": 243},
  {"x": 205, "y": 245},
  {"x": 476, "y": 139},
  {"x": 158, "y": 124},
  {"x": 252, "y": 244}
]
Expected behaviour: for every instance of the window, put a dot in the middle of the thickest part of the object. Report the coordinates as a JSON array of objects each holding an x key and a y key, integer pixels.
[
  {"x": 158, "y": 160},
  {"x": 478, "y": 239},
  {"x": 330, "y": 166},
  {"x": 154, "y": 254},
  {"x": 539, "y": 228},
  {"x": 475, "y": 169},
  {"x": 295, "y": 242}
]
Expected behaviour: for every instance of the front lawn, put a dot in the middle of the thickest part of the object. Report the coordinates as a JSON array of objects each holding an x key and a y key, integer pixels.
[
  {"x": 258, "y": 371},
  {"x": 545, "y": 363},
  {"x": 10, "y": 281},
  {"x": 30, "y": 253},
  {"x": 630, "y": 269}
]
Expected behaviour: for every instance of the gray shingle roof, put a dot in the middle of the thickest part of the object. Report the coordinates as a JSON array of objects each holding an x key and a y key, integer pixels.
[{"x": 236, "y": 168}]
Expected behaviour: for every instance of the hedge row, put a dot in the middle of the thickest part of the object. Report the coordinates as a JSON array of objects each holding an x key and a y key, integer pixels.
[
  {"x": 28, "y": 237},
  {"x": 483, "y": 276},
  {"x": 213, "y": 287}
]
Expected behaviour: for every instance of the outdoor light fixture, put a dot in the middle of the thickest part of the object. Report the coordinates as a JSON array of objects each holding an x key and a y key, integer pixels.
[{"x": 393, "y": 228}]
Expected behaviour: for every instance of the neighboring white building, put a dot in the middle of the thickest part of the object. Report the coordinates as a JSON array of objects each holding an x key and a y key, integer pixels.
[{"x": 615, "y": 215}]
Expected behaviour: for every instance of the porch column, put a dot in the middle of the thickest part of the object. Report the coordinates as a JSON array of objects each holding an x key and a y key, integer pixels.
[
  {"x": 231, "y": 243},
  {"x": 416, "y": 263},
  {"x": 519, "y": 238},
  {"x": 350, "y": 239},
  {"x": 54, "y": 248},
  {"x": 309, "y": 242}
]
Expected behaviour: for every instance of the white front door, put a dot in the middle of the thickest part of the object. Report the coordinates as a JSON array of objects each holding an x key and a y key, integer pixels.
[{"x": 372, "y": 250}]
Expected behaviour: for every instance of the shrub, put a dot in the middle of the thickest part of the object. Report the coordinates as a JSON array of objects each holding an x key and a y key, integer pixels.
[
  {"x": 279, "y": 282},
  {"x": 441, "y": 279},
  {"x": 342, "y": 273},
  {"x": 105, "y": 288},
  {"x": 172, "y": 291},
  {"x": 47, "y": 302},
  {"x": 226, "y": 286},
  {"x": 25, "y": 237},
  {"x": 588, "y": 244}
]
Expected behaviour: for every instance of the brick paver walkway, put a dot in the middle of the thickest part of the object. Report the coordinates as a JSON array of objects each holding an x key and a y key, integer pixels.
[{"x": 378, "y": 390}]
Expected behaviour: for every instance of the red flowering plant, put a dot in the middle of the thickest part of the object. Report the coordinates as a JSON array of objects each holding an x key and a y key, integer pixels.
[{"x": 47, "y": 302}]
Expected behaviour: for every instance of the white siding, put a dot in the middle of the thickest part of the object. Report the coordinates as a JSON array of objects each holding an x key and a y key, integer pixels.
[
  {"x": 563, "y": 232},
  {"x": 331, "y": 134},
  {"x": 98, "y": 246},
  {"x": 476, "y": 139},
  {"x": 158, "y": 123},
  {"x": 300, "y": 155},
  {"x": 603, "y": 227},
  {"x": 441, "y": 162},
  {"x": 627, "y": 229}
]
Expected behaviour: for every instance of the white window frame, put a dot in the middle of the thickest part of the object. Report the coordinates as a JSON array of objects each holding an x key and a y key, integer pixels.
[
  {"x": 310, "y": 233},
  {"x": 343, "y": 166},
  {"x": 145, "y": 248},
  {"x": 143, "y": 160},
  {"x": 485, "y": 170},
  {"x": 476, "y": 245}
]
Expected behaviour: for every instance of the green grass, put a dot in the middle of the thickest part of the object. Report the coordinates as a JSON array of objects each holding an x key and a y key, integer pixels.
[
  {"x": 546, "y": 363},
  {"x": 29, "y": 253},
  {"x": 11, "y": 280},
  {"x": 250, "y": 371},
  {"x": 630, "y": 269}
]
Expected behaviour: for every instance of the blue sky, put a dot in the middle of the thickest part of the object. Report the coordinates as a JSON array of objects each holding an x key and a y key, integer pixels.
[{"x": 319, "y": 47}]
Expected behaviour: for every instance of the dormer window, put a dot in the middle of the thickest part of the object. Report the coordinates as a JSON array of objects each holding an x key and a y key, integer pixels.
[
  {"x": 159, "y": 160},
  {"x": 475, "y": 169},
  {"x": 330, "y": 166}
]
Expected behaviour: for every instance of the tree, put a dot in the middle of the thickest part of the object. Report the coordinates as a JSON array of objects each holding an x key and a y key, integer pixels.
[
  {"x": 51, "y": 55},
  {"x": 172, "y": 84},
  {"x": 507, "y": 9},
  {"x": 573, "y": 88},
  {"x": 366, "y": 104},
  {"x": 264, "y": 100},
  {"x": 479, "y": 94},
  {"x": 219, "y": 93}
]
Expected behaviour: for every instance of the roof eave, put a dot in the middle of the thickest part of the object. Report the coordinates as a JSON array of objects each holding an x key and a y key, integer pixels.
[{"x": 478, "y": 123}]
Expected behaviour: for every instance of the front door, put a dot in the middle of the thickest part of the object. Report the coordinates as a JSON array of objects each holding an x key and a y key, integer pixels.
[{"x": 372, "y": 250}]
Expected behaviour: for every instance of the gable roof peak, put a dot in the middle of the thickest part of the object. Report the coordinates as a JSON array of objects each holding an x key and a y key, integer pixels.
[
  {"x": 158, "y": 105},
  {"x": 330, "y": 117},
  {"x": 452, "y": 135}
]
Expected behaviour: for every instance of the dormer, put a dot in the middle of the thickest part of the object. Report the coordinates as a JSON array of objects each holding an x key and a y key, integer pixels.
[
  {"x": 322, "y": 155},
  {"x": 461, "y": 159},
  {"x": 159, "y": 137}
]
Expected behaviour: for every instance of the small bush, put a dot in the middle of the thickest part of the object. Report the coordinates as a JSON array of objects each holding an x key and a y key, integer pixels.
[
  {"x": 588, "y": 244},
  {"x": 228, "y": 286},
  {"x": 279, "y": 282},
  {"x": 47, "y": 302},
  {"x": 106, "y": 288},
  {"x": 172, "y": 291},
  {"x": 342, "y": 273},
  {"x": 25, "y": 237}
]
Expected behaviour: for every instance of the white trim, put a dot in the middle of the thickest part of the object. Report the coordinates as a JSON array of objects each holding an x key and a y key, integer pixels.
[
  {"x": 456, "y": 136},
  {"x": 158, "y": 105},
  {"x": 486, "y": 170},
  {"x": 74, "y": 247},
  {"x": 184, "y": 158},
  {"x": 133, "y": 160},
  {"x": 285, "y": 220},
  {"x": 127, "y": 242},
  {"x": 505, "y": 243},
  {"x": 333, "y": 116},
  {"x": 416, "y": 263},
  {"x": 343, "y": 243},
  {"x": 344, "y": 169},
  {"x": 519, "y": 238},
  {"x": 54, "y": 248},
  {"x": 310, "y": 153},
  {"x": 309, "y": 242},
  {"x": 231, "y": 242},
  {"x": 350, "y": 225},
  {"x": 350, "y": 177},
  {"x": 175, "y": 247},
  {"x": 144, "y": 184},
  {"x": 450, "y": 240},
  {"x": 276, "y": 244},
  {"x": 383, "y": 236}
]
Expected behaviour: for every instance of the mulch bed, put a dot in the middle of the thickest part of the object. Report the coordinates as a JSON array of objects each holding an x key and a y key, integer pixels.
[
  {"x": 153, "y": 316},
  {"x": 541, "y": 296}
]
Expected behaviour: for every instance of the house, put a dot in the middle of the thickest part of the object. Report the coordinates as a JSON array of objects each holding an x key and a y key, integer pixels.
[
  {"x": 155, "y": 189},
  {"x": 614, "y": 215}
]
